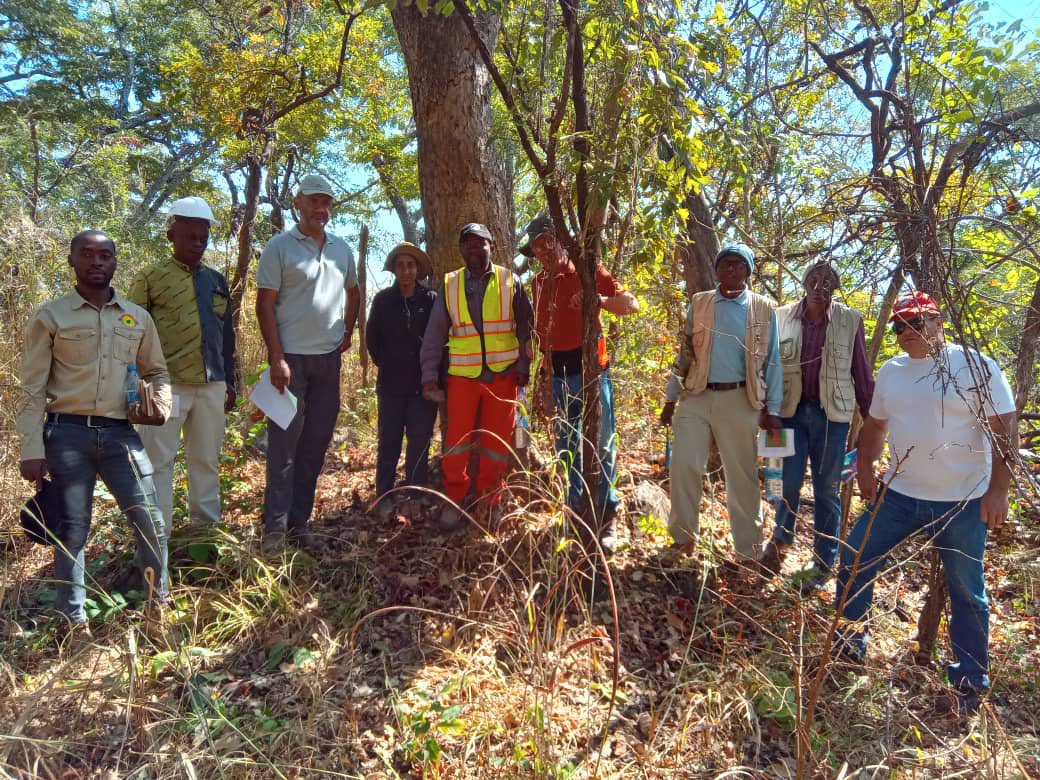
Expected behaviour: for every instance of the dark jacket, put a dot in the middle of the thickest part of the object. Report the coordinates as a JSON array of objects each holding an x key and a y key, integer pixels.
[{"x": 394, "y": 336}]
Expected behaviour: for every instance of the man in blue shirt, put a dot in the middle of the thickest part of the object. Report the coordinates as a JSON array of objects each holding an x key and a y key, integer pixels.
[{"x": 727, "y": 382}]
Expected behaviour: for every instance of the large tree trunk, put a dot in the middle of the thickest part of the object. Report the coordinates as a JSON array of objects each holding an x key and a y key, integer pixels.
[
  {"x": 698, "y": 247},
  {"x": 1025, "y": 371},
  {"x": 256, "y": 163},
  {"x": 460, "y": 177}
]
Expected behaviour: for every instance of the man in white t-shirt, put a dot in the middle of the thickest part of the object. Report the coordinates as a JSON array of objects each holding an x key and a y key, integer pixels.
[{"x": 950, "y": 421}]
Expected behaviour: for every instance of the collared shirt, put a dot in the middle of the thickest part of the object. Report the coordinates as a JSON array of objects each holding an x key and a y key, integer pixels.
[
  {"x": 560, "y": 326},
  {"x": 436, "y": 335},
  {"x": 727, "y": 351},
  {"x": 75, "y": 362},
  {"x": 814, "y": 336},
  {"x": 191, "y": 311},
  {"x": 312, "y": 284}
]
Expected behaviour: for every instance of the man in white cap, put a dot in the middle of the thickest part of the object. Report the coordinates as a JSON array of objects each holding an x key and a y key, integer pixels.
[
  {"x": 189, "y": 303},
  {"x": 307, "y": 303}
]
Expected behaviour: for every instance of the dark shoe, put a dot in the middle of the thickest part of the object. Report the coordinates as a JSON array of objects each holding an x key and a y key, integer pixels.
[
  {"x": 815, "y": 579},
  {"x": 772, "y": 558},
  {"x": 386, "y": 509},
  {"x": 450, "y": 518},
  {"x": 969, "y": 698},
  {"x": 273, "y": 543},
  {"x": 308, "y": 542},
  {"x": 74, "y": 638}
]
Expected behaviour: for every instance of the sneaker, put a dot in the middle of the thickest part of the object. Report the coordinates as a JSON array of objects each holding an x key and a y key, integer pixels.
[
  {"x": 813, "y": 579},
  {"x": 608, "y": 537},
  {"x": 273, "y": 543},
  {"x": 450, "y": 518},
  {"x": 308, "y": 542},
  {"x": 969, "y": 698}
]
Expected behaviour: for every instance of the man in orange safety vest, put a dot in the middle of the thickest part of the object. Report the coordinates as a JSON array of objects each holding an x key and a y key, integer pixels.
[{"x": 484, "y": 317}]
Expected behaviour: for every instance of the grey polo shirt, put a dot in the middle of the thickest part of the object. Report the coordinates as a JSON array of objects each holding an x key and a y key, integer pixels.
[{"x": 311, "y": 284}]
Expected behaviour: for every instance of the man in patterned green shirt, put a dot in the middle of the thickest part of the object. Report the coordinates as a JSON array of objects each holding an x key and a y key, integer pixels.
[{"x": 189, "y": 303}]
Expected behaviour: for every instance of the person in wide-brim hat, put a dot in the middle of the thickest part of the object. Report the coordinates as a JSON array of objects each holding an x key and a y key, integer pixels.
[{"x": 423, "y": 263}]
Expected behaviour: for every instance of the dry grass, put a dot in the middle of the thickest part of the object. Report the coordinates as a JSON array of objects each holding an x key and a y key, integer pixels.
[{"x": 408, "y": 653}]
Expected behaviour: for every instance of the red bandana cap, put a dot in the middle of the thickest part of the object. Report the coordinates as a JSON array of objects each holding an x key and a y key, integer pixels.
[{"x": 911, "y": 304}]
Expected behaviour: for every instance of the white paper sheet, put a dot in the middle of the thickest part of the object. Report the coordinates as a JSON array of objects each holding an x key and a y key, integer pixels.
[
  {"x": 280, "y": 408},
  {"x": 776, "y": 449}
]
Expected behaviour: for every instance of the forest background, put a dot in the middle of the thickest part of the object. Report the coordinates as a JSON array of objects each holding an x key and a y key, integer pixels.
[{"x": 899, "y": 140}]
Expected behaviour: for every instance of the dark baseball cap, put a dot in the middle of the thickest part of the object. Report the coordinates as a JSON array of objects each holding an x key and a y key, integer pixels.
[
  {"x": 538, "y": 226},
  {"x": 475, "y": 229}
]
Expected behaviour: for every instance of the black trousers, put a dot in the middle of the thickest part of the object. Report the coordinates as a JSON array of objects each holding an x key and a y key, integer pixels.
[
  {"x": 398, "y": 415},
  {"x": 295, "y": 456}
]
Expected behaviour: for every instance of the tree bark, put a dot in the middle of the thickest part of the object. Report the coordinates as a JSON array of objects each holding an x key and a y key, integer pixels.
[
  {"x": 362, "y": 270},
  {"x": 461, "y": 178},
  {"x": 1025, "y": 371},
  {"x": 699, "y": 246},
  {"x": 256, "y": 162}
]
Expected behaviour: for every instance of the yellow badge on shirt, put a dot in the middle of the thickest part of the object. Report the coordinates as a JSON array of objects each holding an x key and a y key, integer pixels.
[{"x": 128, "y": 320}]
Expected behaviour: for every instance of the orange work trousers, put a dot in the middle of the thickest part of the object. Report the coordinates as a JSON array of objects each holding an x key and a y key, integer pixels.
[{"x": 479, "y": 415}]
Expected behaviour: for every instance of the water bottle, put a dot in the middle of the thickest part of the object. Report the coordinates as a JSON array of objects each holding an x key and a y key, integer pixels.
[
  {"x": 774, "y": 479},
  {"x": 132, "y": 386},
  {"x": 522, "y": 427}
]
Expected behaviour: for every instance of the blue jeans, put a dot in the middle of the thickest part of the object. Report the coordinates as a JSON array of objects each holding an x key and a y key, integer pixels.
[
  {"x": 76, "y": 456},
  {"x": 958, "y": 533},
  {"x": 567, "y": 400},
  {"x": 822, "y": 443}
]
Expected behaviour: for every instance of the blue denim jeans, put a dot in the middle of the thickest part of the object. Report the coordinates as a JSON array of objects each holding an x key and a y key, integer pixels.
[
  {"x": 76, "y": 456},
  {"x": 567, "y": 400},
  {"x": 958, "y": 533},
  {"x": 822, "y": 443}
]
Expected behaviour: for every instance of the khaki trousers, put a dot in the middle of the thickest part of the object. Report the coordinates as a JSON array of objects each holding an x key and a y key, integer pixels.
[
  {"x": 201, "y": 416},
  {"x": 726, "y": 416}
]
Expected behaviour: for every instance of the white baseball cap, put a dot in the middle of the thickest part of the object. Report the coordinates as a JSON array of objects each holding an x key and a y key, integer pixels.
[{"x": 192, "y": 207}]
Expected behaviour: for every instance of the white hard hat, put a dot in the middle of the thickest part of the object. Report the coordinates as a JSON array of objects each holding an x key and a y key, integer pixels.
[{"x": 193, "y": 207}]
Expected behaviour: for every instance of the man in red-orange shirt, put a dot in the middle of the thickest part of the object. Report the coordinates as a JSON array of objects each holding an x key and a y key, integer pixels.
[{"x": 558, "y": 322}]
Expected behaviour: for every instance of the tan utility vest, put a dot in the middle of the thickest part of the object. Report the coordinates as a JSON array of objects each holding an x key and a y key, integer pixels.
[
  {"x": 837, "y": 391},
  {"x": 756, "y": 344}
]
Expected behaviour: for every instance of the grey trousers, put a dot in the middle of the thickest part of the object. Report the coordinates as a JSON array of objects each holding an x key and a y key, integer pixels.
[
  {"x": 295, "y": 456},
  {"x": 727, "y": 416}
]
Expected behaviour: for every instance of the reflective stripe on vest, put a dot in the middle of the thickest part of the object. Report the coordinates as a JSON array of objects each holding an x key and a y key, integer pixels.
[{"x": 468, "y": 349}]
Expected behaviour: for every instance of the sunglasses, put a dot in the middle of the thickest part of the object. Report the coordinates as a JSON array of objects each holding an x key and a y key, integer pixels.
[
  {"x": 821, "y": 285},
  {"x": 916, "y": 324}
]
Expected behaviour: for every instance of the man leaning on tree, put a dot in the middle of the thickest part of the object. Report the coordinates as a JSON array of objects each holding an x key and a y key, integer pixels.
[
  {"x": 485, "y": 320},
  {"x": 560, "y": 327}
]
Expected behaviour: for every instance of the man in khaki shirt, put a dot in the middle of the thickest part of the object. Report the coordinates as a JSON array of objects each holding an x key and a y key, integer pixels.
[{"x": 73, "y": 419}]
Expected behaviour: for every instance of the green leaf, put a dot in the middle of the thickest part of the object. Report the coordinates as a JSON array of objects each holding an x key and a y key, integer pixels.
[{"x": 201, "y": 552}]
